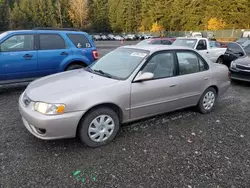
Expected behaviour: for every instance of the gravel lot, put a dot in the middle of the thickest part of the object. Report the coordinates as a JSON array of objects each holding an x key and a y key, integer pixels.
[{"x": 179, "y": 149}]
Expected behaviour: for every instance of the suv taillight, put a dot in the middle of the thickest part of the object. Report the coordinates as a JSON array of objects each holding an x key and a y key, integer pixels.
[{"x": 95, "y": 54}]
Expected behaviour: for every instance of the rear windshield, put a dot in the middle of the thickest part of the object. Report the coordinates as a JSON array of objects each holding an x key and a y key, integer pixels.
[
  {"x": 79, "y": 40},
  {"x": 144, "y": 42},
  {"x": 185, "y": 42}
]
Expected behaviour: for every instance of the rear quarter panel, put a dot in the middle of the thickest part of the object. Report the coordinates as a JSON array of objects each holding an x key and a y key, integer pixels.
[{"x": 220, "y": 78}]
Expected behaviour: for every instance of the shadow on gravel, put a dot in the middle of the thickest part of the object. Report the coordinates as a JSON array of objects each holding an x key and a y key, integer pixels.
[
  {"x": 240, "y": 83},
  {"x": 8, "y": 89}
]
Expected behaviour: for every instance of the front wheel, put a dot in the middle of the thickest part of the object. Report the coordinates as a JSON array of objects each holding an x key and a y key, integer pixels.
[
  {"x": 99, "y": 127},
  {"x": 73, "y": 67},
  {"x": 207, "y": 101}
]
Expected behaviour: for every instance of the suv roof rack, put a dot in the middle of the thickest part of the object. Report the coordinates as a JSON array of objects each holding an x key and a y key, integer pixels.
[{"x": 56, "y": 29}]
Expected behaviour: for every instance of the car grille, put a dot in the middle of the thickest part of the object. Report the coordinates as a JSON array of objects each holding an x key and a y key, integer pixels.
[
  {"x": 241, "y": 67},
  {"x": 26, "y": 100}
]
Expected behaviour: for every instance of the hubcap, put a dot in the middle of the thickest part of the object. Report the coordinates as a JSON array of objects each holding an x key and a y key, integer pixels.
[
  {"x": 208, "y": 100},
  {"x": 101, "y": 128}
]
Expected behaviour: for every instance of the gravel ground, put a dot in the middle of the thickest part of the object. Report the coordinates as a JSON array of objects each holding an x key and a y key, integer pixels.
[{"x": 179, "y": 149}]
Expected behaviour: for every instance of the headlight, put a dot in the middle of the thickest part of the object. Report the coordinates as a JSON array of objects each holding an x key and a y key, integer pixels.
[
  {"x": 233, "y": 65},
  {"x": 49, "y": 109}
]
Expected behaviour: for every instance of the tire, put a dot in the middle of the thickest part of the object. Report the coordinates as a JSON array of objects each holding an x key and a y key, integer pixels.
[
  {"x": 73, "y": 67},
  {"x": 220, "y": 60},
  {"x": 201, "y": 106},
  {"x": 87, "y": 122}
]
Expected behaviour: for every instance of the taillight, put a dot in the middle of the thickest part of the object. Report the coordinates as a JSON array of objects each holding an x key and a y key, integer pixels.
[
  {"x": 95, "y": 54},
  {"x": 229, "y": 74}
]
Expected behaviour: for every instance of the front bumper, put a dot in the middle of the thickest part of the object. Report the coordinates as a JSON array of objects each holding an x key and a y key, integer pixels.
[
  {"x": 240, "y": 75},
  {"x": 49, "y": 127}
]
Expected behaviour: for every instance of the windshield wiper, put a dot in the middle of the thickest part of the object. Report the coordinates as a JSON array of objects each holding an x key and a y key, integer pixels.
[
  {"x": 103, "y": 73},
  {"x": 88, "y": 69}
]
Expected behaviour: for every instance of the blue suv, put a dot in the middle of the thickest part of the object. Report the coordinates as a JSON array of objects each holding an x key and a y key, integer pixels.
[{"x": 29, "y": 54}]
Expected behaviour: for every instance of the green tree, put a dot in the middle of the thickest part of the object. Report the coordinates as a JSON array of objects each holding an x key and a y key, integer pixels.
[{"x": 100, "y": 15}]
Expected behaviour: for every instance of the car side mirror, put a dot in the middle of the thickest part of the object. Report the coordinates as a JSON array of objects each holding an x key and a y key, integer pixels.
[{"x": 144, "y": 76}]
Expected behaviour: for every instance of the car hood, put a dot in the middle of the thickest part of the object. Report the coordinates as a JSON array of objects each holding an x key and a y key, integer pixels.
[
  {"x": 71, "y": 81},
  {"x": 244, "y": 60}
]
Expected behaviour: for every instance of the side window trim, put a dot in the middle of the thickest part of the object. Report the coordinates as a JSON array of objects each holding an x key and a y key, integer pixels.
[
  {"x": 24, "y": 34},
  {"x": 151, "y": 57},
  {"x": 39, "y": 44}
]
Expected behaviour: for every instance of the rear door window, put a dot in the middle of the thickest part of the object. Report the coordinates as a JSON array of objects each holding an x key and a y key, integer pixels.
[
  {"x": 51, "y": 42},
  {"x": 79, "y": 40}
]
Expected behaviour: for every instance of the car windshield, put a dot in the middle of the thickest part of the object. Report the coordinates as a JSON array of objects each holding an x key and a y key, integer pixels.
[
  {"x": 2, "y": 35},
  {"x": 246, "y": 43},
  {"x": 241, "y": 40},
  {"x": 185, "y": 42},
  {"x": 144, "y": 42},
  {"x": 120, "y": 63}
]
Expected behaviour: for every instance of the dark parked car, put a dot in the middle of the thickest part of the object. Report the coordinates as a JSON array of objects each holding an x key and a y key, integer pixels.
[
  {"x": 161, "y": 41},
  {"x": 240, "y": 68},
  {"x": 233, "y": 52},
  {"x": 242, "y": 40}
]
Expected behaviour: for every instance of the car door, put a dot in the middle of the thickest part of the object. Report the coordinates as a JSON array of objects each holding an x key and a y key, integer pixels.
[
  {"x": 202, "y": 47},
  {"x": 160, "y": 94},
  {"x": 193, "y": 75},
  {"x": 18, "y": 57},
  {"x": 234, "y": 51},
  {"x": 52, "y": 51}
]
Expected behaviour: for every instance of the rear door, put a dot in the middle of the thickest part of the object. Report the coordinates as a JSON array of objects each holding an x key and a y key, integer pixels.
[
  {"x": 18, "y": 57},
  {"x": 52, "y": 51},
  {"x": 233, "y": 52},
  {"x": 193, "y": 75}
]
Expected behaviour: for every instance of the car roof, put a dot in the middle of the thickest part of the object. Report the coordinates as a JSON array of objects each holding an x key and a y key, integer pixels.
[
  {"x": 155, "y": 48},
  {"x": 191, "y": 38},
  {"x": 44, "y": 31}
]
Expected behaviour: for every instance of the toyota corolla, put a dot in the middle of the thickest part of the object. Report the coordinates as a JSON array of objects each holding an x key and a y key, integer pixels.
[{"x": 127, "y": 84}]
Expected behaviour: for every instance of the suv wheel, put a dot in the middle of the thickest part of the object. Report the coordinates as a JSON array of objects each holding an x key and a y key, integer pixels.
[
  {"x": 207, "y": 101},
  {"x": 99, "y": 127},
  {"x": 73, "y": 67}
]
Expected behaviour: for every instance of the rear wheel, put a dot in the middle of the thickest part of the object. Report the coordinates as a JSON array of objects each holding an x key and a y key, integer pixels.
[
  {"x": 99, "y": 127},
  {"x": 219, "y": 60},
  {"x": 207, "y": 101},
  {"x": 73, "y": 67}
]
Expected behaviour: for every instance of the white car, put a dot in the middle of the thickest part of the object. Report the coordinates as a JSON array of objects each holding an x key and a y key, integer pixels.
[
  {"x": 215, "y": 54},
  {"x": 118, "y": 37}
]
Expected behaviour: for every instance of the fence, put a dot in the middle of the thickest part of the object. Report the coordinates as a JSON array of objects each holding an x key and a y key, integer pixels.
[{"x": 220, "y": 34}]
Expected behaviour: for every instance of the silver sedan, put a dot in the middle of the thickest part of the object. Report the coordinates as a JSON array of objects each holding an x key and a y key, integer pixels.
[{"x": 127, "y": 84}]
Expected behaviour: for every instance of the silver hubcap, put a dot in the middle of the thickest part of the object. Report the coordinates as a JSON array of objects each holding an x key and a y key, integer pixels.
[
  {"x": 101, "y": 128},
  {"x": 208, "y": 100}
]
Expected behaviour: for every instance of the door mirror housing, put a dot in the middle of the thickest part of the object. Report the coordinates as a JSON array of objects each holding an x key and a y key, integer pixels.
[{"x": 144, "y": 77}]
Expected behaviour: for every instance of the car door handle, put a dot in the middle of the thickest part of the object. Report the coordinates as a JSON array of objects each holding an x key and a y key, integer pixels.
[
  {"x": 207, "y": 52},
  {"x": 206, "y": 78},
  {"x": 174, "y": 85},
  {"x": 64, "y": 53},
  {"x": 27, "y": 56}
]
